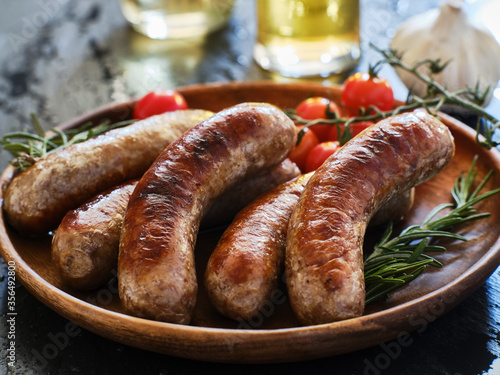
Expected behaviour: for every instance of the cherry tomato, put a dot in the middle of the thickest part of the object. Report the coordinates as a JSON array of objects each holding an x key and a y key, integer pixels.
[
  {"x": 356, "y": 128},
  {"x": 320, "y": 153},
  {"x": 299, "y": 153},
  {"x": 316, "y": 108},
  {"x": 361, "y": 90},
  {"x": 157, "y": 102}
]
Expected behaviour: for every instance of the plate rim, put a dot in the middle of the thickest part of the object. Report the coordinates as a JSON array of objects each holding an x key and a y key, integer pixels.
[{"x": 481, "y": 270}]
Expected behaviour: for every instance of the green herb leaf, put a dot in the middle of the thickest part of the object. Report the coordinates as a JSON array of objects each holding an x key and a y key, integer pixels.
[
  {"x": 470, "y": 99},
  {"x": 27, "y": 148},
  {"x": 397, "y": 261}
]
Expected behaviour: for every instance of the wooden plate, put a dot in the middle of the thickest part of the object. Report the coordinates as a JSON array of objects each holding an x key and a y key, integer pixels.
[{"x": 275, "y": 336}]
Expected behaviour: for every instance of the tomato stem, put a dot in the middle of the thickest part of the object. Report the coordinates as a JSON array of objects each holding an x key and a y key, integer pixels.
[{"x": 471, "y": 99}]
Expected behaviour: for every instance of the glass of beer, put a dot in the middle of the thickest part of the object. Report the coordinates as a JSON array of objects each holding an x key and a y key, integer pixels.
[
  {"x": 173, "y": 19},
  {"x": 300, "y": 38}
]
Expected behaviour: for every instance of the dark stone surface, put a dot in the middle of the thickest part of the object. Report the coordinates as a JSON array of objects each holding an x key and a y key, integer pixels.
[{"x": 61, "y": 58}]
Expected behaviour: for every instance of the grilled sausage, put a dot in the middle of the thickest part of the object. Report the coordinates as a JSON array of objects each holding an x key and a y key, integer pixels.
[
  {"x": 224, "y": 209},
  {"x": 244, "y": 269},
  {"x": 85, "y": 244},
  {"x": 156, "y": 271},
  {"x": 36, "y": 200},
  {"x": 324, "y": 260}
]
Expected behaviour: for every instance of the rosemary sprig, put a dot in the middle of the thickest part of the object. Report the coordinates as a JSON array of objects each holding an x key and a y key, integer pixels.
[
  {"x": 26, "y": 147},
  {"x": 471, "y": 99},
  {"x": 437, "y": 96},
  {"x": 372, "y": 113},
  {"x": 397, "y": 261}
]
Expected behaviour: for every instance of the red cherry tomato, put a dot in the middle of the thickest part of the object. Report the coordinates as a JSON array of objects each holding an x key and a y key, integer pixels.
[
  {"x": 157, "y": 102},
  {"x": 319, "y": 154},
  {"x": 361, "y": 90},
  {"x": 356, "y": 128},
  {"x": 316, "y": 108},
  {"x": 299, "y": 153}
]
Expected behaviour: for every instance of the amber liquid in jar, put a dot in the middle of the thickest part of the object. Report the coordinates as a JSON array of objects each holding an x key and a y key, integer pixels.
[
  {"x": 172, "y": 19},
  {"x": 300, "y": 38}
]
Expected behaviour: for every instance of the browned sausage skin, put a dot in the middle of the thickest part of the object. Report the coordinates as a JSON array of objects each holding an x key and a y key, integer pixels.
[
  {"x": 224, "y": 209},
  {"x": 156, "y": 271},
  {"x": 245, "y": 266},
  {"x": 36, "y": 200},
  {"x": 85, "y": 244},
  {"x": 324, "y": 260},
  {"x": 395, "y": 209}
]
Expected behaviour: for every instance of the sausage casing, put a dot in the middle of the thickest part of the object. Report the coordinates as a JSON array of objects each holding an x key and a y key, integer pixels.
[
  {"x": 156, "y": 270},
  {"x": 245, "y": 267},
  {"x": 324, "y": 259},
  {"x": 85, "y": 244},
  {"x": 224, "y": 209},
  {"x": 37, "y": 199}
]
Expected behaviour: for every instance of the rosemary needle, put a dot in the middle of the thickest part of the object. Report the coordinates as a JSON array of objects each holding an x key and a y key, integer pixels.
[
  {"x": 471, "y": 99},
  {"x": 28, "y": 147},
  {"x": 397, "y": 261}
]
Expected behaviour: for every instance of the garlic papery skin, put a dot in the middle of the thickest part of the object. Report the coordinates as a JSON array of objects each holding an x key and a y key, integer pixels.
[{"x": 448, "y": 34}]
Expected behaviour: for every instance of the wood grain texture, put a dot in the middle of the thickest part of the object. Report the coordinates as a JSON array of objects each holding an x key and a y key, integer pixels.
[{"x": 275, "y": 335}]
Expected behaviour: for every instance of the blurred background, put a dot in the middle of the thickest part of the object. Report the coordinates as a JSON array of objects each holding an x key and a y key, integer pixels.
[{"x": 62, "y": 58}]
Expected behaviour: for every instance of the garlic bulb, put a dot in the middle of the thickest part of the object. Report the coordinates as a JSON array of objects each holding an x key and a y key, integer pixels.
[{"x": 447, "y": 33}]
